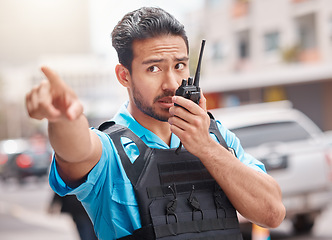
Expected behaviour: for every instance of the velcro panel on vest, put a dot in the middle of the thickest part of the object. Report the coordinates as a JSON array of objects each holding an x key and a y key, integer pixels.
[{"x": 183, "y": 171}]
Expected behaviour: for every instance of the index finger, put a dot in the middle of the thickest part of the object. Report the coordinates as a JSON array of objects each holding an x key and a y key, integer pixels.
[
  {"x": 52, "y": 76},
  {"x": 187, "y": 104}
]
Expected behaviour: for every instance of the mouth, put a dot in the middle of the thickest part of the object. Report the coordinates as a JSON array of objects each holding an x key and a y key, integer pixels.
[{"x": 165, "y": 102}]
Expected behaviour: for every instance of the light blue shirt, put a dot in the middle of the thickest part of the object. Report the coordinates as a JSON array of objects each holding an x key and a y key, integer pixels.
[{"x": 108, "y": 195}]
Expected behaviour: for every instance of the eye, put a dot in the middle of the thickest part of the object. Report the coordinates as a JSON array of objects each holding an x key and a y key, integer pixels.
[
  {"x": 153, "y": 69},
  {"x": 180, "y": 66}
]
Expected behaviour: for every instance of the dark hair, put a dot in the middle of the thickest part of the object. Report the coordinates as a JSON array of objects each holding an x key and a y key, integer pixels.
[{"x": 143, "y": 23}]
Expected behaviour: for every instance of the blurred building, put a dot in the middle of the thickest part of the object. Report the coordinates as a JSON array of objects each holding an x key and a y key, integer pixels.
[
  {"x": 256, "y": 51},
  {"x": 259, "y": 51},
  {"x": 57, "y": 33},
  {"x": 73, "y": 38},
  {"x": 29, "y": 29}
]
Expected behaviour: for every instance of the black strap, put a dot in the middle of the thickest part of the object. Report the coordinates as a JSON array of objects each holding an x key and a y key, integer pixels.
[
  {"x": 215, "y": 130},
  {"x": 116, "y": 132},
  {"x": 160, "y": 191},
  {"x": 106, "y": 125}
]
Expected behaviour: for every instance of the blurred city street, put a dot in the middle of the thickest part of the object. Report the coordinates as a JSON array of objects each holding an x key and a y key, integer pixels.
[
  {"x": 258, "y": 54},
  {"x": 23, "y": 215}
]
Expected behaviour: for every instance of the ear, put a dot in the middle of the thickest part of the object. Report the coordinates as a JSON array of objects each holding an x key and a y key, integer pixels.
[{"x": 123, "y": 75}]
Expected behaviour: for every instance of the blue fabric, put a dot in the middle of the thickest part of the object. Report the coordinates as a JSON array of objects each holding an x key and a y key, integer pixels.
[{"x": 108, "y": 195}]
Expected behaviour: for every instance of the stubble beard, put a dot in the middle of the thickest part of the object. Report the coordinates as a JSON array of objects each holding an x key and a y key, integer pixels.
[{"x": 150, "y": 110}]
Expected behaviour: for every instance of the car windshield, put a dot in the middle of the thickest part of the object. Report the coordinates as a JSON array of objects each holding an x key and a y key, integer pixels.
[{"x": 256, "y": 135}]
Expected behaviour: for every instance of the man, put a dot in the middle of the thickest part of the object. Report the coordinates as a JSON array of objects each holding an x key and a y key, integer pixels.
[{"x": 153, "y": 53}]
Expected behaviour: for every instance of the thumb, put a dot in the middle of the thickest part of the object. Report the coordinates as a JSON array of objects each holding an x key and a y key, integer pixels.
[{"x": 75, "y": 110}]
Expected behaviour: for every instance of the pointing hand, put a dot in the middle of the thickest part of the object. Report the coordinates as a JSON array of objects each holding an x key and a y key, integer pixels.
[{"x": 53, "y": 99}]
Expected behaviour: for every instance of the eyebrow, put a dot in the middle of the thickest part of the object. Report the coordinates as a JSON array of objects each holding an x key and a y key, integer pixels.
[{"x": 158, "y": 60}]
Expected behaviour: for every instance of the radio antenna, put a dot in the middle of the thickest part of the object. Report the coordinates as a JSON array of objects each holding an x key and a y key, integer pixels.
[{"x": 198, "y": 69}]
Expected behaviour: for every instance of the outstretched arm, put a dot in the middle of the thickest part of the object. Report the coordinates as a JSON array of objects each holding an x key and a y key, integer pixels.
[
  {"x": 255, "y": 195},
  {"x": 77, "y": 148}
]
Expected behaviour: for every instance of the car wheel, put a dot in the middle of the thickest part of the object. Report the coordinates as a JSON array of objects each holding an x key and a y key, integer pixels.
[{"x": 303, "y": 223}]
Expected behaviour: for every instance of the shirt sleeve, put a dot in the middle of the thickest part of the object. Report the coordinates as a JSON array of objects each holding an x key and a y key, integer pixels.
[
  {"x": 233, "y": 142},
  {"x": 94, "y": 179}
]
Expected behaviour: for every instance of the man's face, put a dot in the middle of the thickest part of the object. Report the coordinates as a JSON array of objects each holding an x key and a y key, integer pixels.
[{"x": 158, "y": 67}]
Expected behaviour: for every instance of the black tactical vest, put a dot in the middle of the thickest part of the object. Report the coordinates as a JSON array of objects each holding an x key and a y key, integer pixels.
[{"x": 176, "y": 195}]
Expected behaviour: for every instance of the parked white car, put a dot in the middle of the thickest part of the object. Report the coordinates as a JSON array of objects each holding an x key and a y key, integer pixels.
[{"x": 294, "y": 152}]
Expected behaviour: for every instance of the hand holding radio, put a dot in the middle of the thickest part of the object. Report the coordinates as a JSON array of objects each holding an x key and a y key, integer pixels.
[{"x": 190, "y": 89}]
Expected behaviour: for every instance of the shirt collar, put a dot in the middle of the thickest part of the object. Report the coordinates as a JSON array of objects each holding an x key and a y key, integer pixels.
[{"x": 124, "y": 118}]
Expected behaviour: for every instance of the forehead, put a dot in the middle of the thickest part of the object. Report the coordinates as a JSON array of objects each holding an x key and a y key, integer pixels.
[{"x": 160, "y": 46}]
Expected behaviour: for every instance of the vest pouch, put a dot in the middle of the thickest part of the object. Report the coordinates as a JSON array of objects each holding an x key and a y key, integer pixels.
[{"x": 188, "y": 221}]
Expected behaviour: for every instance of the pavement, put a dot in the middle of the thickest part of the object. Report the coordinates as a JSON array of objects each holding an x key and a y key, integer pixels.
[{"x": 29, "y": 222}]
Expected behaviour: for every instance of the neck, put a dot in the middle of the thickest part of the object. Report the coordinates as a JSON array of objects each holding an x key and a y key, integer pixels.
[{"x": 160, "y": 128}]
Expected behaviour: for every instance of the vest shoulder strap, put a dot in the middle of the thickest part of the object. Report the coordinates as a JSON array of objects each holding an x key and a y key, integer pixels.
[
  {"x": 116, "y": 132},
  {"x": 215, "y": 130}
]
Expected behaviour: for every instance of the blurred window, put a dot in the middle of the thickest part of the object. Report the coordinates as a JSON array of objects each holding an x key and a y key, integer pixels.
[
  {"x": 243, "y": 44},
  {"x": 253, "y": 136},
  {"x": 243, "y": 49},
  {"x": 213, "y": 3},
  {"x": 271, "y": 41},
  {"x": 307, "y": 31},
  {"x": 218, "y": 51}
]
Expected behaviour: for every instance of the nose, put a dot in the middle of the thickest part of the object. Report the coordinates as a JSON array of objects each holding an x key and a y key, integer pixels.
[{"x": 171, "y": 81}]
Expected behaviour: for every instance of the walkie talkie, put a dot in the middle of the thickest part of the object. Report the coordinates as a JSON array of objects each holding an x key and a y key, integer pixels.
[{"x": 190, "y": 88}]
